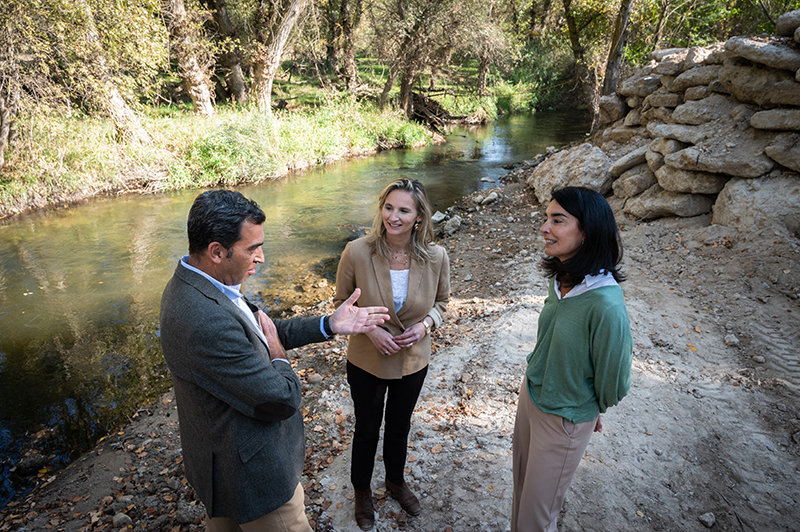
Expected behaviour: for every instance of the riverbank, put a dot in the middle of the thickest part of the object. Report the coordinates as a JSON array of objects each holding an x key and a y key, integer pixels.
[
  {"x": 67, "y": 159},
  {"x": 708, "y": 433}
]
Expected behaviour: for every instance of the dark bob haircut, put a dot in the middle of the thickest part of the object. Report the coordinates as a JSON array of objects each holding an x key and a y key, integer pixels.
[
  {"x": 217, "y": 216},
  {"x": 601, "y": 250}
]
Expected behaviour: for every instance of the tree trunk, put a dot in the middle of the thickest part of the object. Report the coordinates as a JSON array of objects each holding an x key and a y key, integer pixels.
[
  {"x": 7, "y": 104},
  {"x": 406, "y": 101},
  {"x": 272, "y": 37},
  {"x": 587, "y": 76},
  {"x": 483, "y": 71},
  {"x": 662, "y": 23},
  {"x": 387, "y": 87},
  {"x": 104, "y": 92},
  {"x": 617, "y": 45},
  {"x": 333, "y": 10},
  {"x": 193, "y": 73},
  {"x": 350, "y": 17},
  {"x": 230, "y": 62}
]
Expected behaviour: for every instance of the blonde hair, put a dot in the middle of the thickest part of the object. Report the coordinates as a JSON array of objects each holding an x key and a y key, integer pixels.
[{"x": 421, "y": 234}]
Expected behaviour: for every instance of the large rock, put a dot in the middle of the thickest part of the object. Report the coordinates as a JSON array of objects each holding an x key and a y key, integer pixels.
[
  {"x": 777, "y": 120},
  {"x": 751, "y": 83},
  {"x": 785, "y": 93},
  {"x": 788, "y": 23},
  {"x": 667, "y": 146},
  {"x": 774, "y": 54},
  {"x": 656, "y": 202},
  {"x": 699, "y": 55},
  {"x": 702, "y": 75},
  {"x": 634, "y": 158},
  {"x": 751, "y": 206},
  {"x": 655, "y": 160},
  {"x": 640, "y": 86},
  {"x": 612, "y": 108},
  {"x": 697, "y": 93},
  {"x": 739, "y": 153},
  {"x": 672, "y": 64},
  {"x": 633, "y": 118},
  {"x": 696, "y": 112},
  {"x": 785, "y": 149},
  {"x": 687, "y": 134},
  {"x": 660, "y": 55},
  {"x": 677, "y": 180},
  {"x": 634, "y": 181},
  {"x": 626, "y": 134},
  {"x": 663, "y": 98},
  {"x": 584, "y": 165}
]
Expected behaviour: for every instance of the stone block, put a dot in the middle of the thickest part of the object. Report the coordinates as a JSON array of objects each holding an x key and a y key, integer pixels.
[
  {"x": 777, "y": 120},
  {"x": 656, "y": 202},
  {"x": 634, "y": 181},
  {"x": 686, "y": 181},
  {"x": 766, "y": 52}
]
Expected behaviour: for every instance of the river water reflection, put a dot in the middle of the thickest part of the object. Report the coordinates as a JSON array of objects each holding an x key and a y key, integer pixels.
[{"x": 80, "y": 285}]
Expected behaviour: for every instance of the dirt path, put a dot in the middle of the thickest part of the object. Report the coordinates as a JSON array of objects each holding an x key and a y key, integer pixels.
[{"x": 710, "y": 426}]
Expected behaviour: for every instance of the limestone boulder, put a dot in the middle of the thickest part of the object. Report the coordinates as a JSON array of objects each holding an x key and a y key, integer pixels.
[
  {"x": 663, "y": 98},
  {"x": 702, "y": 75},
  {"x": 672, "y": 64},
  {"x": 624, "y": 134},
  {"x": 667, "y": 146},
  {"x": 766, "y": 51},
  {"x": 659, "y": 114},
  {"x": 797, "y": 39},
  {"x": 696, "y": 112},
  {"x": 697, "y": 93},
  {"x": 633, "y": 118},
  {"x": 785, "y": 150},
  {"x": 738, "y": 153},
  {"x": 777, "y": 120},
  {"x": 677, "y": 180},
  {"x": 785, "y": 93},
  {"x": 584, "y": 165},
  {"x": 660, "y": 55},
  {"x": 683, "y": 133},
  {"x": 699, "y": 55},
  {"x": 751, "y": 83},
  {"x": 612, "y": 108},
  {"x": 633, "y": 182},
  {"x": 640, "y": 86},
  {"x": 655, "y": 160},
  {"x": 634, "y": 158},
  {"x": 751, "y": 206},
  {"x": 656, "y": 202},
  {"x": 788, "y": 23}
]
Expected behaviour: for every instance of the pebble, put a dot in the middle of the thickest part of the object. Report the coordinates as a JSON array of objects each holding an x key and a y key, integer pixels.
[
  {"x": 707, "y": 519},
  {"x": 758, "y": 359},
  {"x": 731, "y": 340},
  {"x": 121, "y": 520}
]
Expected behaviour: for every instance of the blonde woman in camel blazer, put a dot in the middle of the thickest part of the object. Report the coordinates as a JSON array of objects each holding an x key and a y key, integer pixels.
[{"x": 397, "y": 266}]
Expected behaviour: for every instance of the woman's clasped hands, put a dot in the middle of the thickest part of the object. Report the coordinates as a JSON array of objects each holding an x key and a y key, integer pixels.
[{"x": 390, "y": 345}]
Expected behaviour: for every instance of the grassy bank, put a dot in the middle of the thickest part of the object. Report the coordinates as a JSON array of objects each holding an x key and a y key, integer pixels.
[{"x": 61, "y": 158}]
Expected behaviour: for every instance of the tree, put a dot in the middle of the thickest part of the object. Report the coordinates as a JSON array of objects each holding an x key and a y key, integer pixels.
[
  {"x": 229, "y": 59},
  {"x": 192, "y": 64},
  {"x": 617, "y": 45},
  {"x": 272, "y": 23}
]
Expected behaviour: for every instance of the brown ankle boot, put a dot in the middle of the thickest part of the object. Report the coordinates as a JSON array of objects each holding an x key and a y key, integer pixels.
[
  {"x": 408, "y": 501},
  {"x": 365, "y": 511}
]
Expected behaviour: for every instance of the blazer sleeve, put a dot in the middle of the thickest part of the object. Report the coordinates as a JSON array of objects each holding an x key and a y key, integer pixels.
[{"x": 442, "y": 289}]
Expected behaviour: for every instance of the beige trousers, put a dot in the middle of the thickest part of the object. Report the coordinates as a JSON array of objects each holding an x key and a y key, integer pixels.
[
  {"x": 547, "y": 450},
  {"x": 291, "y": 517}
]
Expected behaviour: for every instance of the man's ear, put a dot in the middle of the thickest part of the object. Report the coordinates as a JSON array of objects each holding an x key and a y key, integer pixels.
[{"x": 217, "y": 252}]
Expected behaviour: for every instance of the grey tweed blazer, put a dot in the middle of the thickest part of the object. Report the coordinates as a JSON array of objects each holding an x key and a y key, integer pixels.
[{"x": 241, "y": 431}]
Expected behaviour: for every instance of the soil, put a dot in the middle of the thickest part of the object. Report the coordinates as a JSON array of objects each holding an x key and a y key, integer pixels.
[{"x": 708, "y": 436}]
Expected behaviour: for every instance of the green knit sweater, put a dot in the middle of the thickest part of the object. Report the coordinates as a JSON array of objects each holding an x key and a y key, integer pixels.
[{"x": 581, "y": 364}]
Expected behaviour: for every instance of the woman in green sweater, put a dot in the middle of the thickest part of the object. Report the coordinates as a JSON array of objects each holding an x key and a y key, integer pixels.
[{"x": 581, "y": 364}]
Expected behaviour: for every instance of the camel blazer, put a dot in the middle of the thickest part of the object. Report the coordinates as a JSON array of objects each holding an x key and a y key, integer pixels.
[
  {"x": 241, "y": 432},
  {"x": 428, "y": 295}
]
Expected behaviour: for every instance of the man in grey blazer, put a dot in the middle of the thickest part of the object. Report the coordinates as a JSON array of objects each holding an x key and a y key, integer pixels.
[{"x": 238, "y": 398}]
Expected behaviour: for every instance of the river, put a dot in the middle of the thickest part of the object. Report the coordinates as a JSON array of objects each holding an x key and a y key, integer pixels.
[{"x": 80, "y": 284}]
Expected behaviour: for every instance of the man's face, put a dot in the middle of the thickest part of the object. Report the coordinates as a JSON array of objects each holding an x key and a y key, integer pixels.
[{"x": 243, "y": 255}]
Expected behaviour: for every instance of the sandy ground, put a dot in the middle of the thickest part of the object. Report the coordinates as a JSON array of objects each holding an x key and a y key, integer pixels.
[{"x": 708, "y": 436}]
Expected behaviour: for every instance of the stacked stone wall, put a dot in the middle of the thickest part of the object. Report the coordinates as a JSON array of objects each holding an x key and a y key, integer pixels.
[{"x": 704, "y": 130}]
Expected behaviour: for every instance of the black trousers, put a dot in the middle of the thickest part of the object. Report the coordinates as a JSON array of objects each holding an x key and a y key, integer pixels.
[{"x": 368, "y": 393}]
